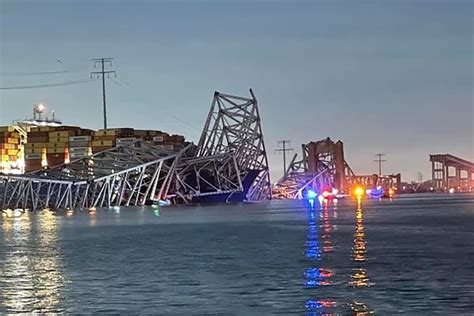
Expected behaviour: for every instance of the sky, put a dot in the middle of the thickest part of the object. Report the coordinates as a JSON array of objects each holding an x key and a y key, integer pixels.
[{"x": 393, "y": 77}]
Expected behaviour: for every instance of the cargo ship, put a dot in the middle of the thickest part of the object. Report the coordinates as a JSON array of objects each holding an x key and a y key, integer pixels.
[{"x": 42, "y": 142}]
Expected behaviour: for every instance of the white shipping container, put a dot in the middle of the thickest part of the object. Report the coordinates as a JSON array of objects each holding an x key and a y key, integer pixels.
[
  {"x": 158, "y": 138},
  {"x": 79, "y": 144},
  {"x": 126, "y": 140},
  {"x": 79, "y": 138},
  {"x": 78, "y": 149}
]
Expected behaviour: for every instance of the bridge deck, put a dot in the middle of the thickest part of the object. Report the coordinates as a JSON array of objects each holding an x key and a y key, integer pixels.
[{"x": 450, "y": 159}]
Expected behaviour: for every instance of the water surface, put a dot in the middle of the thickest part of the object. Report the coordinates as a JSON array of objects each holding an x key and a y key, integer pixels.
[{"x": 413, "y": 255}]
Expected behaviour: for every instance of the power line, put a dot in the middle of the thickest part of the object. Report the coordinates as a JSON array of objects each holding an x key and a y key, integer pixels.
[
  {"x": 67, "y": 83},
  {"x": 102, "y": 73},
  {"x": 380, "y": 160},
  {"x": 283, "y": 150},
  {"x": 185, "y": 123},
  {"x": 34, "y": 73},
  {"x": 119, "y": 82}
]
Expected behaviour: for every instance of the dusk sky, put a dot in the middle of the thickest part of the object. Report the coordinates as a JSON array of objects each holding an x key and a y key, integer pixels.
[{"x": 393, "y": 77}]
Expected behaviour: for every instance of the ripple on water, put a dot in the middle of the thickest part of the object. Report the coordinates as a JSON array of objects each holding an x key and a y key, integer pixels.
[{"x": 378, "y": 257}]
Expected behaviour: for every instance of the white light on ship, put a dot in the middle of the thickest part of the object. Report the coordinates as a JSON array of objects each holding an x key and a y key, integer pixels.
[{"x": 40, "y": 107}]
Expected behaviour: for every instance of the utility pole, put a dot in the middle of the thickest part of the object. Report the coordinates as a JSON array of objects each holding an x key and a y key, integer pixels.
[
  {"x": 102, "y": 73},
  {"x": 380, "y": 160},
  {"x": 283, "y": 150}
]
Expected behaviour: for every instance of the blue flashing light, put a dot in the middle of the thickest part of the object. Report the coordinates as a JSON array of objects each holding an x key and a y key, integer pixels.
[
  {"x": 311, "y": 195},
  {"x": 376, "y": 193}
]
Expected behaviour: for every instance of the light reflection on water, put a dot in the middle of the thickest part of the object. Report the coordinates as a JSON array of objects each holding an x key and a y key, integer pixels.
[
  {"x": 317, "y": 276},
  {"x": 31, "y": 276},
  {"x": 359, "y": 276},
  {"x": 254, "y": 259}
]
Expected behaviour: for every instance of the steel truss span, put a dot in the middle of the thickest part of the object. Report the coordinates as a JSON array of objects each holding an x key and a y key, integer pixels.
[
  {"x": 233, "y": 126},
  {"x": 229, "y": 163},
  {"x": 124, "y": 176}
]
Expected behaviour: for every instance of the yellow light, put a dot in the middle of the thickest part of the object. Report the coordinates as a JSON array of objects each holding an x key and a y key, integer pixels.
[
  {"x": 91, "y": 211},
  {"x": 44, "y": 159},
  {"x": 359, "y": 191}
]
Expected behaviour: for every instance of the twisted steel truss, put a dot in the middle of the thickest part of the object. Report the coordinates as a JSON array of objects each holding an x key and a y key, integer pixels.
[
  {"x": 230, "y": 160},
  {"x": 233, "y": 126},
  {"x": 204, "y": 176},
  {"x": 298, "y": 179},
  {"x": 321, "y": 167},
  {"x": 124, "y": 176}
]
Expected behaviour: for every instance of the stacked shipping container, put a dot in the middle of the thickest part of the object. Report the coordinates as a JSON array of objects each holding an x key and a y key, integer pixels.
[
  {"x": 52, "y": 146},
  {"x": 106, "y": 139},
  {"x": 9, "y": 147}
]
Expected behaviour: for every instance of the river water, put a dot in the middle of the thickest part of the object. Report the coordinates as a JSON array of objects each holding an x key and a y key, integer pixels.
[{"x": 413, "y": 255}]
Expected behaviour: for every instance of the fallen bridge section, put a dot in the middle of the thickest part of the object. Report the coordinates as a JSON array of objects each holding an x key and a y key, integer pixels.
[
  {"x": 229, "y": 164},
  {"x": 124, "y": 176},
  {"x": 234, "y": 126},
  {"x": 324, "y": 168}
]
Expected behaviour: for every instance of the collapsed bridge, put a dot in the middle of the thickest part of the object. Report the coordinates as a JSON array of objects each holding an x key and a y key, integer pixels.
[
  {"x": 323, "y": 167},
  {"x": 228, "y": 164}
]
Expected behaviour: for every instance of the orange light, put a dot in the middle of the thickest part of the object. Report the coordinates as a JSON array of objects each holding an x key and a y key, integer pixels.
[{"x": 67, "y": 159}]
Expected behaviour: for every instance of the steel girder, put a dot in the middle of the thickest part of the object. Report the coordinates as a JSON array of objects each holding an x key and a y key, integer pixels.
[
  {"x": 202, "y": 176},
  {"x": 297, "y": 179},
  {"x": 124, "y": 176},
  {"x": 234, "y": 126}
]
